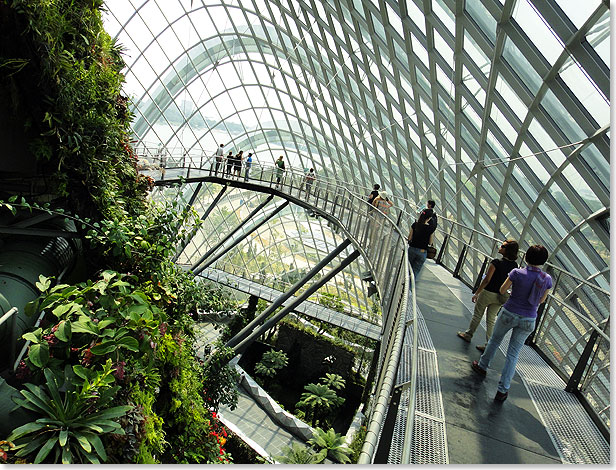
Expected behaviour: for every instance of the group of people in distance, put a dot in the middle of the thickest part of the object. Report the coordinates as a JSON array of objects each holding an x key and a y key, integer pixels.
[
  {"x": 508, "y": 295},
  {"x": 233, "y": 163}
]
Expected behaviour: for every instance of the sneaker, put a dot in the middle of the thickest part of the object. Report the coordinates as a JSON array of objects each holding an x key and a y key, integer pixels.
[
  {"x": 477, "y": 368},
  {"x": 480, "y": 347},
  {"x": 500, "y": 396},
  {"x": 465, "y": 336}
]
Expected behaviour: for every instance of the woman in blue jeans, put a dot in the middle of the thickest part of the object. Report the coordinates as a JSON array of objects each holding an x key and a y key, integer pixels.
[
  {"x": 420, "y": 237},
  {"x": 529, "y": 288}
]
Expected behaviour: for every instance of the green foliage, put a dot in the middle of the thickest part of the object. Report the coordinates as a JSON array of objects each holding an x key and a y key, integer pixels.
[
  {"x": 309, "y": 331},
  {"x": 94, "y": 321},
  {"x": 72, "y": 421},
  {"x": 186, "y": 423},
  {"x": 64, "y": 89},
  {"x": 332, "y": 443},
  {"x": 357, "y": 443},
  {"x": 333, "y": 381},
  {"x": 299, "y": 455},
  {"x": 144, "y": 438},
  {"x": 318, "y": 398},
  {"x": 113, "y": 320},
  {"x": 219, "y": 380},
  {"x": 332, "y": 302},
  {"x": 271, "y": 362}
]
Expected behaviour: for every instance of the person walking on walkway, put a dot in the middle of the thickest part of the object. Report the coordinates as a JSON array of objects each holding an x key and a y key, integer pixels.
[
  {"x": 279, "y": 171},
  {"x": 433, "y": 220},
  {"x": 237, "y": 164},
  {"x": 420, "y": 236},
  {"x": 382, "y": 202},
  {"x": 373, "y": 194},
  {"x": 219, "y": 156},
  {"x": 488, "y": 294},
  {"x": 247, "y": 165},
  {"x": 230, "y": 159},
  {"x": 529, "y": 288},
  {"x": 309, "y": 179}
]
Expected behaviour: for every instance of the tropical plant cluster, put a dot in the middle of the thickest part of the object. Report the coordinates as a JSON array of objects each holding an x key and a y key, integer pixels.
[
  {"x": 61, "y": 79},
  {"x": 126, "y": 338},
  {"x": 110, "y": 375}
]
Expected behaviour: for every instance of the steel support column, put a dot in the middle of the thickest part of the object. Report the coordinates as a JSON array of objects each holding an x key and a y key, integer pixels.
[
  {"x": 203, "y": 217},
  {"x": 289, "y": 308},
  {"x": 280, "y": 300},
  {"x": 218, "y": 255}
]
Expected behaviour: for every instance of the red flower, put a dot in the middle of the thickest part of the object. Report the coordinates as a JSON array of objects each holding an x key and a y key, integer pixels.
[{"x": 87, "y": 357}]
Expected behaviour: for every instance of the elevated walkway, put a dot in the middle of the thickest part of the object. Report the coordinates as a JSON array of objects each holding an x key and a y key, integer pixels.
[
  {"x": 539, "y": 423},
  {"x": 453, "y": 416},
  {"x": 311, "y": 309}
]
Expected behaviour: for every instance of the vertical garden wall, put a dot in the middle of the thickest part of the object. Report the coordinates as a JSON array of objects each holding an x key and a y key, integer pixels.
[{"x": 110, "y": 374}]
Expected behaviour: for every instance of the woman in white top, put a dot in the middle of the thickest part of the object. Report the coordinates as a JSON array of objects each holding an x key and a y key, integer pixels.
[{"x": 382, "y": 202}]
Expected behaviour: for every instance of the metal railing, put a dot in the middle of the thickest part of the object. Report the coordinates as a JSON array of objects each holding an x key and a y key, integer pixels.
[
  {"x": 374, "y": 233},
  {"x": 572, "y": 331}
]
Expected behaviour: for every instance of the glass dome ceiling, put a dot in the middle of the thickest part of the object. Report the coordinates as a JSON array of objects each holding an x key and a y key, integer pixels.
[{"x": 497, "y": 109}]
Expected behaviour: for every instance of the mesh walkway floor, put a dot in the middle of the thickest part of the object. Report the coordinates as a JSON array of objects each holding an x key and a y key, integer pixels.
[{"x": 539, "y": 423}]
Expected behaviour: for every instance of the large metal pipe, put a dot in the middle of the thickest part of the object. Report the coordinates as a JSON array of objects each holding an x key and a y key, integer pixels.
[{"x": 22, "y": 261}]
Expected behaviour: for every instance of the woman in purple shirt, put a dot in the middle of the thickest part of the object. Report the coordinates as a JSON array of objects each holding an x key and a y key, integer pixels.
[{"x": 529, "y": 288}]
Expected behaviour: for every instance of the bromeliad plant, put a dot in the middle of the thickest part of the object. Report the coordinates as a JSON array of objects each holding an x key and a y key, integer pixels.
[{"x": 72, "y": 421}]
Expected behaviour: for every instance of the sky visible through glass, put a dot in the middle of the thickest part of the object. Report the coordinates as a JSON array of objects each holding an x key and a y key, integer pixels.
[{"x": 483, "y": 109}]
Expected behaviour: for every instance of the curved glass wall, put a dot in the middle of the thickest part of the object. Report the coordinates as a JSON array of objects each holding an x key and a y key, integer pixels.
[{"x": 497, "y": 109}]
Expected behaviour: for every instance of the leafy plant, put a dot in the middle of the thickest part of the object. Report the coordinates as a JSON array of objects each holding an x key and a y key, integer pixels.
[
  {"x": 357, "y": 443},
  {"x": 65, "y": 91},
  {"x": 298, "y": 455},
  {"x": 95, "y": 320},
  {"x": 219, "y": 380},
  {"x": 333, "y": 381},
  {"x": 330, "y": 443},
  {"x": 319, "y": 397},
  {"x": 271, "y": 362},
  {"x": 71, "y": 424}
]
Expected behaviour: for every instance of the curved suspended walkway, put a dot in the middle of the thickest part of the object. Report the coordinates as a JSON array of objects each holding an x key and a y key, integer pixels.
[{"x": 427, "y": 405}]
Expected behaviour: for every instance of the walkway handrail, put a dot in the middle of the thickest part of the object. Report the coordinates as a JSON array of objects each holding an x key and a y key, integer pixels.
[
  {"x": 385, "y": 250},
  {"x": 573, "y": 297}
]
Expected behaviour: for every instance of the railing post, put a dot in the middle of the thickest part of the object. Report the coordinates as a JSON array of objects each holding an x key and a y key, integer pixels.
[
  {"x": 456, "y": 271},
  {"x": 576, "y": 376},
  {"x": 444, "y": 245},
  {"x": 481, "y": 271},
  {"x": 462, "y": 258}
]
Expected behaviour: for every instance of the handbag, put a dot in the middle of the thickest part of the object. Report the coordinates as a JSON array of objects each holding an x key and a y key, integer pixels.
[{"x": 431, "y": 252}]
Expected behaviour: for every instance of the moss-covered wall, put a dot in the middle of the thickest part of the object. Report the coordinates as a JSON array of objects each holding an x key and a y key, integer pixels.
[
  {"x": 307, "y": 355},
  {"x": 61, "y": 88}
]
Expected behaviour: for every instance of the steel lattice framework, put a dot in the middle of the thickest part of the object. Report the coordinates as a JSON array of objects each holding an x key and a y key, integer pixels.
[{"x": 497, "y": 109}]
